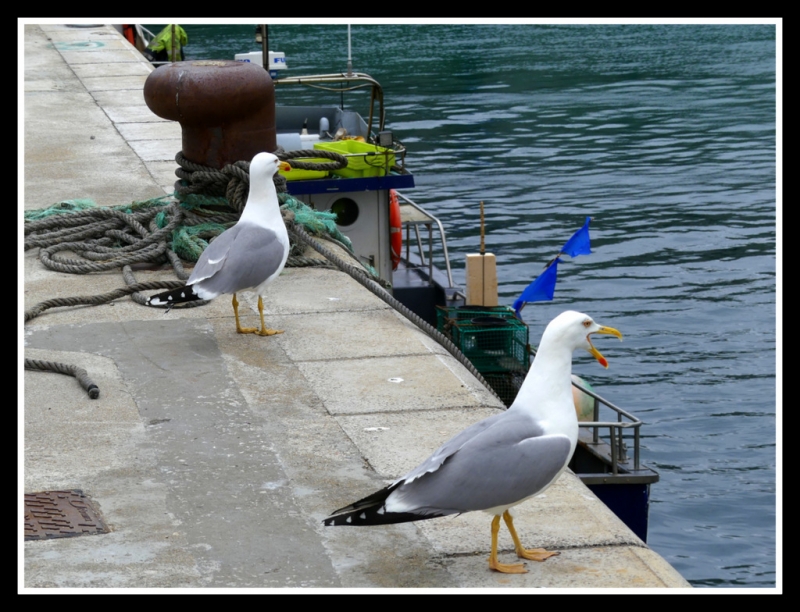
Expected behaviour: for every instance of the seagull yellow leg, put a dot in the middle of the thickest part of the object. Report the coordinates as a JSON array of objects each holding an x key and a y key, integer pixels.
[
  {"x": 265, "y": 331},
  {"x": 534, "y": 554},
  {"x": 239, "y": 328},
  {"x": 516, "y": 568}
]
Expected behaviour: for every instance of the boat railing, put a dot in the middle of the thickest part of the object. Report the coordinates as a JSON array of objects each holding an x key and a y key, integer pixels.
[
  {"x": 616, "y": 429},
  {"x": 419, "y": 216},
  {"x": 144, "y": 34},
  {"x": 341, "y": 82},
  {"x": 607, "y": 437}
]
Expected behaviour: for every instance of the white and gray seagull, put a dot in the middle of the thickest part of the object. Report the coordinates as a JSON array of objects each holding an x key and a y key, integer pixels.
[
  {"x": 503, "y": 460},
  {"x": 248, "y": 256}
]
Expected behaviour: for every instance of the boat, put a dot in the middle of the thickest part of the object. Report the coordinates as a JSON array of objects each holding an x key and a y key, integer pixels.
[
  {"x": 395, "y": 238},
  {"x": 363, "y": 199}
]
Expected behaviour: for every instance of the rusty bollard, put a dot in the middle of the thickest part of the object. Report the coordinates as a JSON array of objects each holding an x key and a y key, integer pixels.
[{"x": 226, "y": 108}]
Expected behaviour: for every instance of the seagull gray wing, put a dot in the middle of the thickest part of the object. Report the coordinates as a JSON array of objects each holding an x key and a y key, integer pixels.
[
  {"x": 504, "y": 463},
  {"x": 244, "y": 260},
  {"x": 213, "y": 258},
  {"x": 440, "y": 455}
]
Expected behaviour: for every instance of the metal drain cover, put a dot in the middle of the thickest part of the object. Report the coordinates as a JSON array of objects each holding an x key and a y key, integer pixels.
[{"x": 60, "y": 514}]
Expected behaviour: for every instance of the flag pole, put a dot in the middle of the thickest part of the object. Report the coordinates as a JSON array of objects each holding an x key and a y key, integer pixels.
[
  {"x": 481, "y": 272},
  {"x": 483, "y": 247}
]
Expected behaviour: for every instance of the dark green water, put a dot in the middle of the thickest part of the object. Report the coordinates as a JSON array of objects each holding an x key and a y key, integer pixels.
[{"x": 666, "y": 136}]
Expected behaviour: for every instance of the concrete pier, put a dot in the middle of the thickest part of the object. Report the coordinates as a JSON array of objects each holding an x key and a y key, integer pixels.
[{"x": 213, "y": 456}]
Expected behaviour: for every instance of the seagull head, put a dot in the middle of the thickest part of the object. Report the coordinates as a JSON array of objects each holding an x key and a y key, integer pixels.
[
  {"x": 264, "y": 165},
  {"x": 575, "y": 328}
]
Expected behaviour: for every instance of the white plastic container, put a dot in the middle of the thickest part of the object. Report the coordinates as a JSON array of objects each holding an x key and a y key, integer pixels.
[
  {"x": 307, "y": 140},
  {"x": 294, "y": 142},
  {"x": 289, "y": 142},
  {"x": 277, "y": 60}
]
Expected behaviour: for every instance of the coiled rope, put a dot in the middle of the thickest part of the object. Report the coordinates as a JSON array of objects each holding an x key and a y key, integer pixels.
[{"x": 210, "y": 201}]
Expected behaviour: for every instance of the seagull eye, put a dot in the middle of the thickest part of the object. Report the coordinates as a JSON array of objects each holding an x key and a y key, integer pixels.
[{"x": 587, "y": 323}]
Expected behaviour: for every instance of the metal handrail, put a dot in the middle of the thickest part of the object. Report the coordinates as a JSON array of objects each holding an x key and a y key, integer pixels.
[
  {"x": 618, "y": 454},
  {"x": 441, "y": 234},
  {"x": 146, "y": 35},
  {"x": 318, "y": 80}
]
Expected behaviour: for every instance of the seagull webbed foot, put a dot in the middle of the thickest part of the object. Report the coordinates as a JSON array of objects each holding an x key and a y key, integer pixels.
[
  {"x": 268, "y": 332},
  {"x": 536, "y": 554},
  {"x": 506, "y": 568},
  {"x": 533, "y": 554},
  {"x": 265, "y": 331},
  {"x": 239, "y": 328}
]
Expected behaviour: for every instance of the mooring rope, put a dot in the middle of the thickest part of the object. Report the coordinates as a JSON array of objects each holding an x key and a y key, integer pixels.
[
  {"x": 105, "y": 238},
  {"x": 198, "y": 179},
  {"x": 62, "y": 368},
  {"x": 109, "y": 238},
  {"x": 360, "y": 276}
]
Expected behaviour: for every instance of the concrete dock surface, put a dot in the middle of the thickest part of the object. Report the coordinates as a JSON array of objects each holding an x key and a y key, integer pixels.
[{"x": 213, "y": 456}]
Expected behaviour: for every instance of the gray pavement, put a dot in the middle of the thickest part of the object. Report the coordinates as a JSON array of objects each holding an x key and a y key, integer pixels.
[{"x": 215, "y": 456}]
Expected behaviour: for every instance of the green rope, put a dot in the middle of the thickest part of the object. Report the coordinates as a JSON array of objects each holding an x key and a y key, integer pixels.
[
  {"x": 63, "y": 207},
  {"x": 212, "y": 216},
  {"x": 67, "y": 207},
  {"x": 315, "y": 222}
]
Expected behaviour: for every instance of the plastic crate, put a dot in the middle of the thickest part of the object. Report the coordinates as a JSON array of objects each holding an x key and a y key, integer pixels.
[
  {"x": 446, "y": 317},
  {"x": 493, "y": 339},
  {"x": 363, "y": 159}
]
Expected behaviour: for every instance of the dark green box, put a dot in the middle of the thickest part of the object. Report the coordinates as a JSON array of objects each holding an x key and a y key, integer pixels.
[{"x": 493, "y": 339}]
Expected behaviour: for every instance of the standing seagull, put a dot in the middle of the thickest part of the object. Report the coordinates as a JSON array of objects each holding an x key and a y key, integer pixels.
[
  {"x": 501, "y": 461},
  {"x": 247, "y": 256}
]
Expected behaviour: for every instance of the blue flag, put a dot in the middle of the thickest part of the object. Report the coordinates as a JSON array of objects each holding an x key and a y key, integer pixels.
[
  {"x": 579, "y": 243},
  {"x": 541, "y": 289},
  {"x": 543, "y": 286}
]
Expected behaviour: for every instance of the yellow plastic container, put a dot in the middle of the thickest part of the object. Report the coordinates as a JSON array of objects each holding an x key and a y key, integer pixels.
[{"x": 363, "y": 159}]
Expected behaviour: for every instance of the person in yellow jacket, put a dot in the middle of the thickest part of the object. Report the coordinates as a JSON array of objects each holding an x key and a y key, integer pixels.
[{"x": 168, "y": 45}]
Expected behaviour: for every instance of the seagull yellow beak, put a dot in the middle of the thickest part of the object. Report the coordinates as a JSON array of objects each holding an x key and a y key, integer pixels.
[
  {"x": 601, "y": 330},
  {"x": 284, "y": 166}
]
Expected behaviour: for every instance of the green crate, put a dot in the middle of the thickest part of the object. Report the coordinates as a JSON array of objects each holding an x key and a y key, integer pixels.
[
  {"x": 447, "y": 316},
  {"x": 493, "y": 339}
]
